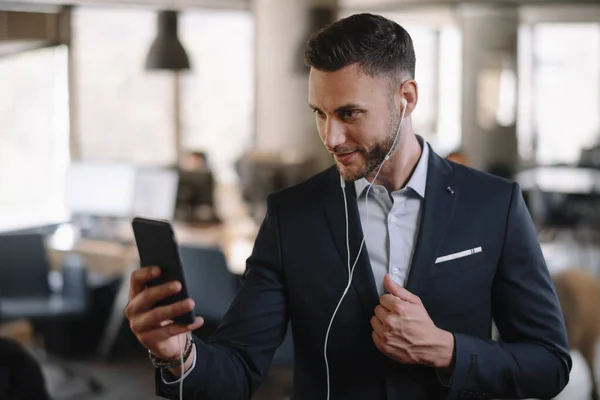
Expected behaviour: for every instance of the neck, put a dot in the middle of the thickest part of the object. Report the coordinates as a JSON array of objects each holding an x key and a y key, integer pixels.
[{"x": 397, "y": 171}]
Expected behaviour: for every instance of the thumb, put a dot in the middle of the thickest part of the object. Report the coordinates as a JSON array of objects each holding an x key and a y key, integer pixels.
[
  {"x": 398, "y": 290},
  {"x": 391, "y": 286}
]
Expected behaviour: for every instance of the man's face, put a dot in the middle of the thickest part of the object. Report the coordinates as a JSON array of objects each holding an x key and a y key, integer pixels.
[{"x": 357, "y": 118}]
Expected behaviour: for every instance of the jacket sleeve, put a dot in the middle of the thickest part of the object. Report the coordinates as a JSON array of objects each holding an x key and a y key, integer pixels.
[
  {"x": 234, "y": 361},
  {"x": 532, "y": 360}
]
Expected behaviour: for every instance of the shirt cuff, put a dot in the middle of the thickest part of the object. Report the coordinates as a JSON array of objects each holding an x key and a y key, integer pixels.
[{"x": 162, "y": 372}]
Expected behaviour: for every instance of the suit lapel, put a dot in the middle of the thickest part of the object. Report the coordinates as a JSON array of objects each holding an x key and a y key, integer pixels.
[
  {"x": 437, "y": 209},
  {"x": 333, "y": 202}
]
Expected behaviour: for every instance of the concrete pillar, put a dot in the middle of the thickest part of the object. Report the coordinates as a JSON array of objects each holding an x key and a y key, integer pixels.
[
  {"x": 489, "y": 104},
  {"x": 283, "y": 120}
]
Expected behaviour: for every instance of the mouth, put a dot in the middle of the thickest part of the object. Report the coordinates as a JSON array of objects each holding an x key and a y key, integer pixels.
[{"x": 345, "y": 158}]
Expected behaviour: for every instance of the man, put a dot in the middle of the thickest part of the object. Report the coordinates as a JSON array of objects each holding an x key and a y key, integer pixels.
[{"x": 447, "y": 249}]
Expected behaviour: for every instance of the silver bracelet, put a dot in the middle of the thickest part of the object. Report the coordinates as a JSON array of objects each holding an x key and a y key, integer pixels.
[{"x": 162, "y": 363}]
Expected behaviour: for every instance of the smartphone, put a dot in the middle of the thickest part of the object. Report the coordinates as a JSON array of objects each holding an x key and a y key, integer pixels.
[{"x": 157, "y": 246}]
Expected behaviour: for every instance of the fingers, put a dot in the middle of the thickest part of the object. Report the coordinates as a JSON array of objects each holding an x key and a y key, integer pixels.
[
  {"x": 139, "y": 278},
  {"x": 165, "y": 332},
  {"x": 153, "y": 319},
  {"x": 390, "y": 302},
  {"x": 399, "y": 291},
  {"x": 377, "y": 325},
  {"x": 381, "y": 313},
  {"x": 150, "y": 296},
  {"x": 378, "y": 341}
]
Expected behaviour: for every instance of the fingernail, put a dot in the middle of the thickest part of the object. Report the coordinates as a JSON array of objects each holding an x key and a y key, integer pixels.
[
  {"x": 155, "y": 271},
  {"x": 175, "y": 285}
]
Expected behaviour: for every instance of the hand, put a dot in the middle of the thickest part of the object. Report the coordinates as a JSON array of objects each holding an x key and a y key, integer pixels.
[
  {"x": 403, "y": 330},
  {"x": 154, "y": 327}
]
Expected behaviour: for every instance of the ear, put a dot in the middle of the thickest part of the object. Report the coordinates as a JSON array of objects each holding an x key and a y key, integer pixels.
[{"x": 408, "y": 91}]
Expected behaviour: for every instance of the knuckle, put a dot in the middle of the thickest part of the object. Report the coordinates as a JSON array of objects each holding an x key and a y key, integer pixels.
[
  {"x": 398, "y": 308},
  {"x": 134, "y": 325},
  {"x": 143, "y": 339},
  {"x": 133, "y": 278},
  {"x": 386, "y": 337},
  {"x": 387, "y": 323}
]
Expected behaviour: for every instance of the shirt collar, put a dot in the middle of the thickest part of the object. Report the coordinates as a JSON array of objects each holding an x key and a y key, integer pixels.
[{"x": 417, "y": 180}]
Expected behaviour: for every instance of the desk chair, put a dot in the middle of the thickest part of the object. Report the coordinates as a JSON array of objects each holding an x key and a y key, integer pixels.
[
  {"x": 25, "y": 291},
  {"x": 210, "y": 283},
  {"x": 213, "y": 288}
]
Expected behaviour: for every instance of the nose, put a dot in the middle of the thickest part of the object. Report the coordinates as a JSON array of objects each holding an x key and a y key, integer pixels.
[{"x": 334, "y": 134}]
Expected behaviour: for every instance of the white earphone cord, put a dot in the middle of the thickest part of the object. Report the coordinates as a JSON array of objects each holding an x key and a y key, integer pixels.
[
  {"x": 351, "y": 270},
  {"x": 182, "y": 370}
]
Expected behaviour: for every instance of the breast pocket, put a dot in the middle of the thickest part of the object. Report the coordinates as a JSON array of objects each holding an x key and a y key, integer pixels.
[{"x": 457, "y": 262}]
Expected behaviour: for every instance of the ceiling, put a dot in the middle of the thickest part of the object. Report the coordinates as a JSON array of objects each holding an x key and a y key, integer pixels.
[
  {"x": 371, "y": 5},
  {"x": 381, "y": 5},
  {"x": 427, "y": 10},
  {"x": 172, "y": 4}
]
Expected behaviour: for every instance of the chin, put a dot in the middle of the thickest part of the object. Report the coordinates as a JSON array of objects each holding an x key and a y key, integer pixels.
[{"x": 350, "y": 173}]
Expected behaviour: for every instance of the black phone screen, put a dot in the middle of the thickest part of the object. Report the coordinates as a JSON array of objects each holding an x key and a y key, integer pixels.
[{"x": 157, "y": 246}]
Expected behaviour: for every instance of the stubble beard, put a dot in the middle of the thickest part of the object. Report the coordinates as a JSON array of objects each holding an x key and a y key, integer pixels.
[{"x": 375, "y": 156}]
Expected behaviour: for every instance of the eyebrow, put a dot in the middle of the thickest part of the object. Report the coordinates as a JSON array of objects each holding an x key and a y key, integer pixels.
[{"x": 340, "y": 109}]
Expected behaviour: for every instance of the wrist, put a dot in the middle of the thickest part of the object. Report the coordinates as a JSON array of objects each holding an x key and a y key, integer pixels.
[
  {"x": 174, "y": 363},
  {"x": 177, "y": 371},
  {"x": 444, "y": 350}
]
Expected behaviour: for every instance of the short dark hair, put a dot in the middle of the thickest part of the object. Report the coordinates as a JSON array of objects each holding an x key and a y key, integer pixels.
[{"x": 377, "y": 44}]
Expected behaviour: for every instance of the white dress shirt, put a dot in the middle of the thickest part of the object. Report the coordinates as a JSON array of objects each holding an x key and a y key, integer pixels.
[{"x": 393, "y": 222}]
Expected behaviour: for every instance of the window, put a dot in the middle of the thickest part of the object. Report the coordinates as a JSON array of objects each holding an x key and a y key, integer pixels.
[
  {"x": 218, "y": 93},
  {"x": 559, "y": 91},
  {"x": 449, "y": 99},
  {"x": 124, "y": 113},
  {"x": 34, "y": 138},
  {"x": 438, "y": 47}
]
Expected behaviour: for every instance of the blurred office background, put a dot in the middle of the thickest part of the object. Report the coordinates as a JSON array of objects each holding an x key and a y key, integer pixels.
[{"x": 97, "y": 125}]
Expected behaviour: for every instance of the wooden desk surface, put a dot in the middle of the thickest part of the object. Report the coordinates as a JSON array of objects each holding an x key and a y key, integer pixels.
[{"x": 114, "y": 258}]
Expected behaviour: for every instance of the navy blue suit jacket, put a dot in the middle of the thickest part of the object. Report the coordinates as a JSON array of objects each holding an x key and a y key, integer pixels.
[{"x": 297, "y": 272}]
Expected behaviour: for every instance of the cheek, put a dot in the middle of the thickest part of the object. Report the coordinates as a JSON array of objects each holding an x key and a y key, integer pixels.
[
  {"x": 360, "y": 134},
  {"x": 321, "y": 131}
]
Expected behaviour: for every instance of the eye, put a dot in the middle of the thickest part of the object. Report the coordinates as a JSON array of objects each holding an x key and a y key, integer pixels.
[
  {"x": 319, "y": 113},
  {"x": 350, "y": 114}
]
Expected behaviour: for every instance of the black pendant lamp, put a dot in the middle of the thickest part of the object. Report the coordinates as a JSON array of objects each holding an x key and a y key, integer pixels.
[{"x": 167, "y": 52}]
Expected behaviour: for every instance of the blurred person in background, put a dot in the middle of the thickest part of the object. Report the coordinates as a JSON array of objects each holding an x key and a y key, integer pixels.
[{"x": 390, "y": 265}]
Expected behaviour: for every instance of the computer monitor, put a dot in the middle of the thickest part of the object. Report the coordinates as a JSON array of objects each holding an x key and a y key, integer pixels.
[
  {"x": 155, "y": 193},
  {"x": 195, "y": 193},
  {"x": 100, "y": 189}
]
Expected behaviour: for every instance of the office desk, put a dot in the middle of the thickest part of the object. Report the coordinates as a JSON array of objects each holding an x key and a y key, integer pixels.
[{"x": 113, "y": 258}]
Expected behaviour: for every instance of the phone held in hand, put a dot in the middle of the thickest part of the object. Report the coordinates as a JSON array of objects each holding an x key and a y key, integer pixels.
[{"x": 157, "y": 246}]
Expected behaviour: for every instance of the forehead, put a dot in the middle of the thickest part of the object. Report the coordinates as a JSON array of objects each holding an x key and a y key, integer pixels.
[{"x": 346, "y": 85}]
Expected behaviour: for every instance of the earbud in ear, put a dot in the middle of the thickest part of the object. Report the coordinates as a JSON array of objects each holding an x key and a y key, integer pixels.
[{"x": 404, "y": 102}]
